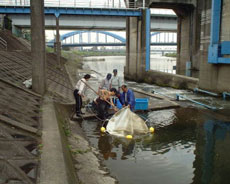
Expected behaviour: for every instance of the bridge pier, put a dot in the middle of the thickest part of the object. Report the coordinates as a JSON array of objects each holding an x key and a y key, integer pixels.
[
  {"x": 188, "y": 38},
  {"x": 38, "y": 51},
  {"x": 137, "y": 46},
  {"x": 58, "y": 43}
]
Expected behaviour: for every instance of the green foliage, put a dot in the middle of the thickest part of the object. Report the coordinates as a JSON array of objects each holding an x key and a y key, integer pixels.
[
  {"x": 49, "y": 50},
  {"x": 171, "y": 54}
]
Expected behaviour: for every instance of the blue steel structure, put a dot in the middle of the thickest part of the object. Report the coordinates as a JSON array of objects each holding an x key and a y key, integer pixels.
[
  {"x": 147, "y": 39},
  {"x": 121, "y": 39},
  {"x": 67, "y": 35},
  {"x": 57, "y": 11},
  {"x": 217, "y": 49}
]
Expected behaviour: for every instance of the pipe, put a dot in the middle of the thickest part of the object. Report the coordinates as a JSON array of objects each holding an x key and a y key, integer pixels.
[
  {"x": 196, "y": 102},
  {"x": 225, "y": 94},
  {"x": 204, "y": 91},
  {"x": 161, "y": 94}
]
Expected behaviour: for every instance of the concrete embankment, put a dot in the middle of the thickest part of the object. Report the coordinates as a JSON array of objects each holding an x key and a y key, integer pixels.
[{"x": 166, "y": 79}]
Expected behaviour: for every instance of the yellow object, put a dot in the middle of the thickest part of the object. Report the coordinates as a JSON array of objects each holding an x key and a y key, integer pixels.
[
  {"x": 151, "y": 129},
  {"x": 103, "y": 129},
  {"x": 129, "y": 136}
]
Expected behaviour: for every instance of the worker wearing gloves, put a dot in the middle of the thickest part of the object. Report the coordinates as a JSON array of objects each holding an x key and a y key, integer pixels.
[
  {"x": 79, "y": 93},
  {"x": 127, "y": 97}
]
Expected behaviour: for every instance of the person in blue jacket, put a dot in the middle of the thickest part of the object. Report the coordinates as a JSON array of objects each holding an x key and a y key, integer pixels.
[{"x": 127, "y": 97}]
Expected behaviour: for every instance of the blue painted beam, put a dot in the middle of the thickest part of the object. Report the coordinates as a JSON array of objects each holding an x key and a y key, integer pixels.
[
  {"x": 74, "y": 11},
  {"x": 217, "y": 49},
  {"x": 147, "y": 39},
  {"x": 225, "y": 48}
]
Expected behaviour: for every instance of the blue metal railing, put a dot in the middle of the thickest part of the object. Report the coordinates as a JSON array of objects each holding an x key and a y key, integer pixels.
[
  {"x": 178, "y": 96},
  {"x": 72, "y": 3},
  {"x": 206, "y": 92},
  {"x": 225, "y": 94}
]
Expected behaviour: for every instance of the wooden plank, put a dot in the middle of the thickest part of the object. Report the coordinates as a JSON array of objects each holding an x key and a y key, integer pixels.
[{"x": 19, "y": 125}]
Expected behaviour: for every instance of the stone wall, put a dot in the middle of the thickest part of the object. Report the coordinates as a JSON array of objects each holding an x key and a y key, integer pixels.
[{"x": 166, "y": 79}]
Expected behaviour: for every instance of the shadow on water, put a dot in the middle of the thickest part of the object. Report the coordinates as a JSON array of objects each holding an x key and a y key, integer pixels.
[{"x": 188, "y": 146}]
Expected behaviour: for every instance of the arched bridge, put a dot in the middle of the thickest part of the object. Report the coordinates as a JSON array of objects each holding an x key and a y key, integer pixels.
[{"x": 104, "y": 38}]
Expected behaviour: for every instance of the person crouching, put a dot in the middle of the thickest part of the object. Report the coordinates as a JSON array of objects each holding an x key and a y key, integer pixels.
[{"x": 103, "y": 102}]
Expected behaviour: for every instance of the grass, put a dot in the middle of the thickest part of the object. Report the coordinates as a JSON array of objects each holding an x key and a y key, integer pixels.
[{"x": 171, "y": 55}]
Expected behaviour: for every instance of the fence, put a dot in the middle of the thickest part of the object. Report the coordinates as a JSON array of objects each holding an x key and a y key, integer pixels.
[{"x": 73, "y": 3}]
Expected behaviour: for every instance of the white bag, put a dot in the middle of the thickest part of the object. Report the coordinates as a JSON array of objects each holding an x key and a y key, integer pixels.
[{"x": 125, "y": 122}]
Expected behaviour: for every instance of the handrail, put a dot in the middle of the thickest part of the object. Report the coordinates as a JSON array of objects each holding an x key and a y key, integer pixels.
[
  {"x": 3, "y": 42},
  {"x": 73, "y": 3}
]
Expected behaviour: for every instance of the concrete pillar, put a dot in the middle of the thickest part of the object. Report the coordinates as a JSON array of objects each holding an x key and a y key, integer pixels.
[
  {"x": 137, "y": 46},
  {"x": 188, "y": 39},
  {"x": 38, "y": 51},
  {"x": 2, "y": 21},
  {"x": 58, "y": 43}
]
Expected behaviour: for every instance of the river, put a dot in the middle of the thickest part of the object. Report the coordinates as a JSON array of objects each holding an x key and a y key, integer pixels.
[{"x": 190, "y": 144}]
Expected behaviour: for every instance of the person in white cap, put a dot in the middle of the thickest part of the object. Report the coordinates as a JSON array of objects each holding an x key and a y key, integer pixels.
[{"x": 115, "y": 81}]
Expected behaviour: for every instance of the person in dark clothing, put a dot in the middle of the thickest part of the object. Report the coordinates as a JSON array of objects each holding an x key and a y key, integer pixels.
[
  {"x": 103, "y": 102},
  {"x": 79, "y": 92}
]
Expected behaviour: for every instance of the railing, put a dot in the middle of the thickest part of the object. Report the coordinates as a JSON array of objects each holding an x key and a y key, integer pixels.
[
  {"x": 3, "y": 43},
  {"x": 73, "y": 3}
]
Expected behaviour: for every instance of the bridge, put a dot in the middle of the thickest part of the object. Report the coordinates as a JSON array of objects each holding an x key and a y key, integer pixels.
[
  {"x": 92, "y": 16},
  {"x": 75, "y": 39},
  {"x": 100, "y": 22},
  {"x": 204, "y": 47}
]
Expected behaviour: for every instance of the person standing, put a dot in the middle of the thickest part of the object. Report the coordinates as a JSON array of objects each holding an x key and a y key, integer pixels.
[
  {"x": 106, "y": 83},
  {"x": 79, "y": 93},
  {"x": 127, "y": 97},
  {"x": 115, "y": 81}
]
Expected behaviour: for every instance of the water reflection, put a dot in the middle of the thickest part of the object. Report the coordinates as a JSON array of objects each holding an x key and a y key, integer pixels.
[{"x": 192, "y": 148}]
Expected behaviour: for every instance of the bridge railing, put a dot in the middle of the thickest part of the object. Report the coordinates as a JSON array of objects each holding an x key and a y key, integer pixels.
[
  {"x": 73, "y": 3},
  {"x": 3, "y": 43}
]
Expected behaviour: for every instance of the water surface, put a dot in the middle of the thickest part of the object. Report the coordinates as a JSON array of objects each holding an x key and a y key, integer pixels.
[{"x": 190, "y": 144}]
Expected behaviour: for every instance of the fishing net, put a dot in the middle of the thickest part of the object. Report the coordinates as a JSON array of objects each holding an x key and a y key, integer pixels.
[{"x": 125, "y": 122}]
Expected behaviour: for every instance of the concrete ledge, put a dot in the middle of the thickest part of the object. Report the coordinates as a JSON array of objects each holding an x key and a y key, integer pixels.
[
  {"x": 53, "y": 168},
  {"x": 166, "y": 79}
]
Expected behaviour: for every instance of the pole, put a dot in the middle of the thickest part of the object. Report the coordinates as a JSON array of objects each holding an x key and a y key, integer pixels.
[
  {"x": 38, "y": 52},
  {"x": 143, "y": 3},
  {"x": 58, "y": 43}
]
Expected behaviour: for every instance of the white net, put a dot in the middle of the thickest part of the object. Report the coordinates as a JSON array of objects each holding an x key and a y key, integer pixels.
[{"x": 125, "y": 122}]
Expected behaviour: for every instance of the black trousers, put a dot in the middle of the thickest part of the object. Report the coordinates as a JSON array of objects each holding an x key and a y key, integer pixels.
[
  {"x": 78, "y": 100},
  {"x": 103, "y": 108}
]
